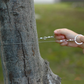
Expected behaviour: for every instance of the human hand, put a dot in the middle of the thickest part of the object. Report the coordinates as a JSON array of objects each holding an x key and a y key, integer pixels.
[{"x": 64, "y": 33}]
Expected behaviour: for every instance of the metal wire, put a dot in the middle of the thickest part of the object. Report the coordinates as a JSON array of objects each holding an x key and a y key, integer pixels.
[{"x": 44, "y": 38}]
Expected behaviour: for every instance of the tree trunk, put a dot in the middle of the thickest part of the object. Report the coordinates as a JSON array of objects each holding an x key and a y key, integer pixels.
[{"x": 21, "y": 60}]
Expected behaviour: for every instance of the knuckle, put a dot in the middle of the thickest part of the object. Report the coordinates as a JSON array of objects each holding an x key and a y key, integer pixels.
[{"x": 64, "y": 28}]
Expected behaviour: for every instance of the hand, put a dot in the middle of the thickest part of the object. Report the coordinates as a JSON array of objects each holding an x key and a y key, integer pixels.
[{"x": 64, "y": 33}]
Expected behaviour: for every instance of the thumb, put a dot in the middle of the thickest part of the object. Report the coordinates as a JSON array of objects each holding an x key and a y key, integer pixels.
[{"x": 82, "y": 38}]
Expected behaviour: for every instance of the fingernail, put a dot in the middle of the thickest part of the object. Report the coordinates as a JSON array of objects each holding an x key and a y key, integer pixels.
[
  {"x": 55, "y": 32},
  {"x": 63, "y": 44}
]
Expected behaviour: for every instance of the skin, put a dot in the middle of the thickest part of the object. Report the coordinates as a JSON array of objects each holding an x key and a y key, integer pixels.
[{"x": 65, "y": 33}]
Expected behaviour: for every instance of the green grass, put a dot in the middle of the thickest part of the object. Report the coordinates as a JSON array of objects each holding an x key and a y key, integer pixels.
[
  {"x": 1, "y": 73},
  {"x": 67, "y": 62}
]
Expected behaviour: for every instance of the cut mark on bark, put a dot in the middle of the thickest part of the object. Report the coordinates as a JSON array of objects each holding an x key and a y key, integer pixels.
[
  {"x": 38, "y": 80},
  {"x": 29, "y": 72},
  {"x": 15, "y": 14},
  {"x": 30, "y": 23},
  {"x": 10, "y": 77},
  {"x": 21, "y": 6},
  {"x": 33, "y": 51}
]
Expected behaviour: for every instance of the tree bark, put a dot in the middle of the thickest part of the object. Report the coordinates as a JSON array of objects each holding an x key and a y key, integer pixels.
[{"x": 21, "y": 60}]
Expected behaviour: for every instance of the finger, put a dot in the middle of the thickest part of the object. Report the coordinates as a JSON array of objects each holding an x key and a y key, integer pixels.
[
  {"x": 59, "y": 37},
  {"x": 64, "y": 43},
  {"x": 81, "y": 46},
  {"x": 61, "y": 31},
  {"x": 72, "y": 44},
  {"x": 68, "y": 33}
]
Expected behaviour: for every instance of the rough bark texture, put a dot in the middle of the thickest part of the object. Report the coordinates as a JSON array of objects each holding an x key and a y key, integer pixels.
[{"x": 21, "y": 60}]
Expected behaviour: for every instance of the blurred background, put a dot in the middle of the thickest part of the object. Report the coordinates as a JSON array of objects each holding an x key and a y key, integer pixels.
[{"x": 67, "y": 62}]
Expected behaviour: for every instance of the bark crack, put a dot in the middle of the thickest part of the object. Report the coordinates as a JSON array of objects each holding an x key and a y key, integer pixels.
[
  {"x": 28, "y": 80},
  {"x": 23, "y": 54},
  {"x": 8, "y": 13},
  {"x": 23, "y": 57}
]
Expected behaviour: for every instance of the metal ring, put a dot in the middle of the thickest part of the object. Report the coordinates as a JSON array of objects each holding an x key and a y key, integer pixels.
[{"x": 76, "y": 39}]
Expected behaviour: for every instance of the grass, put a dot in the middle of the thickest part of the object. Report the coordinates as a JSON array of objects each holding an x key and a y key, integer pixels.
[
  {"x": 1, "y": 74},
  {"x": 67, "y": 62}
]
